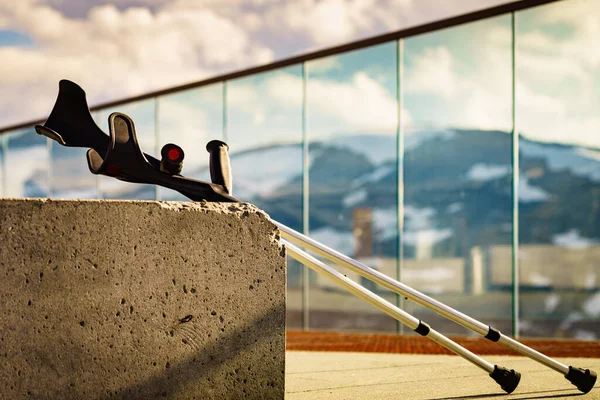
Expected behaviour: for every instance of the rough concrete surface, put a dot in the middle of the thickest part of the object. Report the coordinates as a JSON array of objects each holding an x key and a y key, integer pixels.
[
  {"x": 119, "y": 299},
  {"x": 377, "y": 376}
]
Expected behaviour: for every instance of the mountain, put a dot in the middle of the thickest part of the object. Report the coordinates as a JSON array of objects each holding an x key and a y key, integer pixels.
[{"x": 457, "y": 189}]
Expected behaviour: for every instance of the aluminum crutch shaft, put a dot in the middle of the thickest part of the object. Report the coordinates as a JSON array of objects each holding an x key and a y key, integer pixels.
[
  {"x": 507, "y": 379},
  {"x": 583, "y": 379}
]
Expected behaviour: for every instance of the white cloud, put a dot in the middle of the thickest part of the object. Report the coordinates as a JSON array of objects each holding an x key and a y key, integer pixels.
[
  {"x": 433, "y": 72},
  {"x": 582, "y": 17},
  {"x": 473, "y": 89},
  {"x": 557, "y": 76},
  {"x": 362, "y": 103},
  {"x": 114, "y": 53},
  {"x": 326, "y": 21},
  {"x": 330, "y": 22}
]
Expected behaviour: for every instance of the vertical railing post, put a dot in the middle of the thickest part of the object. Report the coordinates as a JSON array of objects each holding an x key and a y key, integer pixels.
[
  {"x": 400, "y": 173},
  {"x": 156, "y": 140},
  {"x": 49, "y": 172},
  {"x": 225, "y": 111},
  {"x": 305, "y": 201},
  {"x": 99, "y": 190},
  {"x": 515, "y": 189}
]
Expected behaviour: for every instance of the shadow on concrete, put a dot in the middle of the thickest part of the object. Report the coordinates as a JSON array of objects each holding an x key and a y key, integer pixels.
[
  {"x": 475, "y": 396},
  {"x": 543, "y": 395},
  {"x": 262, "y": 375},
  {"x": 210, "y": 358}
]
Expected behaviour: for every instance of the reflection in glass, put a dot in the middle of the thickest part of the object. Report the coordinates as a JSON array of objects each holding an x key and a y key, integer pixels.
[
  {"x": 71, "y": 177},
  {"x": 264, "y": 133},
  {"x": 558, "y": 116},
  {"x": 27, "y": 165},
  {"x": 143, "y": 115},
  {"x": 191, "y": 119},
  {"x": 352, "y": 124},
  {"x": 457, "y": 127}
]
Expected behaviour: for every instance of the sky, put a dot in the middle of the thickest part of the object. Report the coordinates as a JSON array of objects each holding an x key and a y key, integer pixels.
[
  {"x": 122, "y": 48},
  {"x": 459, "y": 77}
]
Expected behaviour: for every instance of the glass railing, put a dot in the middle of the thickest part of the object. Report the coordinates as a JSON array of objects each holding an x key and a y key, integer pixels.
[{"x": 464, "y": 161}]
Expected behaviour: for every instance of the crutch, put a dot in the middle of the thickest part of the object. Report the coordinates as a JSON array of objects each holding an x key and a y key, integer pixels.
[
  {"x": 583, "y": 379},
  {"x": 507, "y": 379},
  {"x": 119, "y": 155},
  {"x": 105, "y": 156}
]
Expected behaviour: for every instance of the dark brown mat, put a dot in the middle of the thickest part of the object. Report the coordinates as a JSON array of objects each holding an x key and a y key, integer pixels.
[{"x": 377, "y": 343}]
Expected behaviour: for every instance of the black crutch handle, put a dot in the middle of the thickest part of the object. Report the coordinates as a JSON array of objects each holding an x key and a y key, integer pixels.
[
  {"x": 220, "y": 166},
  {"x": 124, "y": 160}
]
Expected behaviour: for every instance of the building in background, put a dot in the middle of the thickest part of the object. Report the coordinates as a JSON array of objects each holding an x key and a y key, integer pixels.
[{"x": 462, "y": 158}]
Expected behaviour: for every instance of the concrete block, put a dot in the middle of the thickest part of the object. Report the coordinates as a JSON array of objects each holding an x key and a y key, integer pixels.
[{"x": 120, "y": 299}]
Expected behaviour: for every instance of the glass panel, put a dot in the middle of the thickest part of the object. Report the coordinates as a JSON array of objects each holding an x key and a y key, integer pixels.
[
  {"x": 457, "y": 124},
  {"x": 264, "y": 132},
  {"x": 71, "y": 177},
  {"x": 191, "y": 119},
  {"x": 27, "y": 163},
  {"x": 143, "y": 115},
  {"x": 352, "y": 124},
  {"x": 558, "y": 116}
]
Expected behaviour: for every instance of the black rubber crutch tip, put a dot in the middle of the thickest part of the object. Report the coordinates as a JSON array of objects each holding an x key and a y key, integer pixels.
[
  {"x": 508, "y": 379},
  {"x": 584, "y": 379}
]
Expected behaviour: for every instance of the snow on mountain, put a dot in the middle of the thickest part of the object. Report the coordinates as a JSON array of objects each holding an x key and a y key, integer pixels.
[
  {"x": 454, "y": 208},
  {"x": 418, "y": 218},
  {"x": 529, "y": 193},
  {"x": 413, "y": 139},
  {"x": 262, "y": 172},
  {"x": 373, "y": 176},
  {"x": 482, "y": 172},
  {"x": 377, "y": 149},
  {"x": 551, "y": 302},
  {"x": 572, "y": 239},
  {"x": 354, "y": 198},
  {"x": 385, "y": 222},
  {"x": 579, "y": 161},
  {"x": 592, "y": 306}
]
